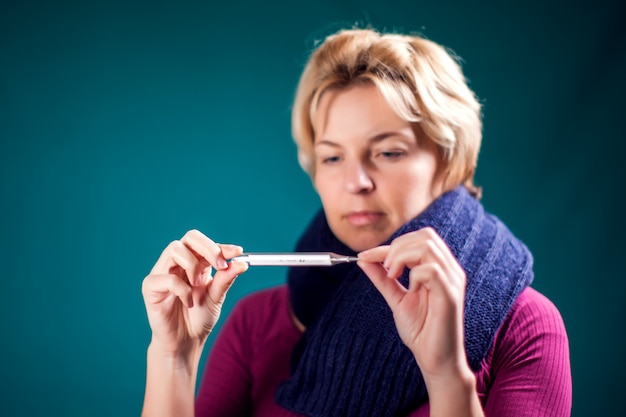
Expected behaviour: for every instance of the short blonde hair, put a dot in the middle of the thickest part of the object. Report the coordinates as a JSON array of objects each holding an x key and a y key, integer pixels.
[{"x": 421, "y": 81}]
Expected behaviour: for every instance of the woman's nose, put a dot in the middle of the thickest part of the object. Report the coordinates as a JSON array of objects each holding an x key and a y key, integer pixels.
[{"x": 357, "y": 178}]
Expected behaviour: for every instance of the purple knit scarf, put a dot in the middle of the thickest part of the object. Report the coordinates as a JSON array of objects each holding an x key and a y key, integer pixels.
[{"x": 351, "y": 361}]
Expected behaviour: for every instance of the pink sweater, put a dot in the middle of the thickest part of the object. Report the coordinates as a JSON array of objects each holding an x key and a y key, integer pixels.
[{"x": 525, "y": 373}]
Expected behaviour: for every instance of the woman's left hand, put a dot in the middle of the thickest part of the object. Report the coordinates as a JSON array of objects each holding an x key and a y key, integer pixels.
[{"x": 429, "y": 314}]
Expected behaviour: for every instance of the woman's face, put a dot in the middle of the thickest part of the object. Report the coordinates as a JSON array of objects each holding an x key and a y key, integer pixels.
[{"x": 370, "y": 172}]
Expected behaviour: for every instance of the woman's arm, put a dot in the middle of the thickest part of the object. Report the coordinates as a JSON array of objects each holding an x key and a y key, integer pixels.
[
  {"x": 183, "y": 303},
  {"x": 170, "y": 383}
]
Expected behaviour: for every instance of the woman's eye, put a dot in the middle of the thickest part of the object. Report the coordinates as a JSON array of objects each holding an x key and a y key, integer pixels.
[
  {"x": 330, "y": 159},
  {"x": 391, "y": 154}
]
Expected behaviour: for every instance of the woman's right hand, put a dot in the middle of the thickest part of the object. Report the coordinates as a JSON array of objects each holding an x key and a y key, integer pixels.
[{"x": 183, "y": 299}]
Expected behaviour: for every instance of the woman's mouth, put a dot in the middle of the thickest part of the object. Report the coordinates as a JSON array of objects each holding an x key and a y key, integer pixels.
[{"x": 363, "y": 218}]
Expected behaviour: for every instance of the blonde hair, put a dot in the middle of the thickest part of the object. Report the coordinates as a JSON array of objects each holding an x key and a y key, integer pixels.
[{"x": 419, "y": 79}]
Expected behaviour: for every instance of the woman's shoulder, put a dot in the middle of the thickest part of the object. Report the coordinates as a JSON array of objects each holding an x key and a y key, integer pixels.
[
  {"x": 528, "y": 367},
  {"x": 533, "y": 312},
  {"x": 532, "y": 332}
]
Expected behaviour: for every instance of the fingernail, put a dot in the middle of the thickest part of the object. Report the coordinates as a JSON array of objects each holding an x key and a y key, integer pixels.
[{"x": 221, "y": 263}]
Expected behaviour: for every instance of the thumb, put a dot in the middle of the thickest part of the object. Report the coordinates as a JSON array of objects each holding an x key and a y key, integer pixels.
[{"x": 223, "y": 280}]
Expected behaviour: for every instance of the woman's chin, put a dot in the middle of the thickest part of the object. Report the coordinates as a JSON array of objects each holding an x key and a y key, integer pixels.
[{"x": 360, "y": 243}]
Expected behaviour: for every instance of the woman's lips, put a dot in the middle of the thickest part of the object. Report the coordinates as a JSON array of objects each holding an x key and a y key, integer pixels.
[{"x": 363, "y": 218}]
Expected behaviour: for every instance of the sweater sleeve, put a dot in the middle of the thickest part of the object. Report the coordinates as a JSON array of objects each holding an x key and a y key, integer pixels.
[
  {"x": 531, "y": 374},
  {"x": 225, "y": 387}
]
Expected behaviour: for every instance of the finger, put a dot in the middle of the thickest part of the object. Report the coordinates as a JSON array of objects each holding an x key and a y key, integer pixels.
[
  {"x": 376, "y": 254},
  {"x": 409, "y": 252},
  {"x": 444, "y": 253},
  {"x": 404, "y": 251},
  {"x": 223, "y": 280},
  {"x": 230, "y": 251},
  {"x": 403, "y": 254},
  {"x": 156, "y": 288},
  {"x": 391, "y": 289},
  {"x": 187, "y": 260},
  {"x": 419, "y": 247},
  {"x": 166, "y": 261},
  {"x": 178, "y": 255},
  {"x": 437, "y": 251},
  {"x": 205, "y": 248},
  {"x": 433, "y": 278}
]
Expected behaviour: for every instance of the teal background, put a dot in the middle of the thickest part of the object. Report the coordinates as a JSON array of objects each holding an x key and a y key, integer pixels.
[{"x": 124, "y": 124}]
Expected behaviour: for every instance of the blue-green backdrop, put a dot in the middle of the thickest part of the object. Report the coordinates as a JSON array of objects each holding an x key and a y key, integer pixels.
[{"x": 123, "y": 124}]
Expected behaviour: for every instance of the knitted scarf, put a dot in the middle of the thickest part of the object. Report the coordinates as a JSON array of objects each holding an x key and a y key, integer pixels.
[{"x": 351, "y": 361}]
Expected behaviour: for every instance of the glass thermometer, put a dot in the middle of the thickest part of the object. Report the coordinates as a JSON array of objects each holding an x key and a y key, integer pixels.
[{"x": 294, "y": 259}]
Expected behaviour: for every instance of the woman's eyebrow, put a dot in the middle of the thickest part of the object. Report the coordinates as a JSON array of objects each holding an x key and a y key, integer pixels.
[
  {"x": 326, "y": 142},
  {"x": 384, "y": 135},
  {"x": 379, "y": 137}
]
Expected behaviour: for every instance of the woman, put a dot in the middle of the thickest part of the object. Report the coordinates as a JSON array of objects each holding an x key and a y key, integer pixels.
[{"x": 436, "y": 319}]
